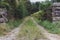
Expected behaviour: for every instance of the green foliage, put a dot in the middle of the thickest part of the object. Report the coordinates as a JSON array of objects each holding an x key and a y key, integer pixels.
[
  {"x": 52, "y": 27},
  {"x": 4, "y": 4},
  {"x": 45, "y": 5},
  {"x": 14, "y": 23},
  {"x": 28, "y": 7},
  {"x": 43, "y": 10},
  {"x": 58, "y": 0},
  {"x": 22, "y": 9},
  {"x": 7, "y": 27},
  {"x": 38, "y": 15},
  {"x": 34, "y": 7}
]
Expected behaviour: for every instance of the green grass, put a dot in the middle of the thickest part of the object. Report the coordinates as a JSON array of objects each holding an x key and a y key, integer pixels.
[
  {"x": 51, "y": 27},
  {"x": 30, "y": 31},
  {"x": 15, "y": 23},
  {"x": 7, "y": 27}
]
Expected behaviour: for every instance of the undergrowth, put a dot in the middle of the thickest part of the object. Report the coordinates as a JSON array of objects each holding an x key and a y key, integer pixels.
[
  {"x": 51, "y": 27},
  {"x": 7, "y": 27}
]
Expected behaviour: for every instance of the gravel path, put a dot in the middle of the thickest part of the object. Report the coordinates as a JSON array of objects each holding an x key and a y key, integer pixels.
[{"x": 45, "y": 33}]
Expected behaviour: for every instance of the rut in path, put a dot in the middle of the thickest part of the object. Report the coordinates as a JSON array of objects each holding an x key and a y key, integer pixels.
[
  {"x": 12, "y": 35},
  {"x": 45, "y": 33}
]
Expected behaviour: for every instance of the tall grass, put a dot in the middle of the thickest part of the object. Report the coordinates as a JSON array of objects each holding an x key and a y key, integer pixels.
[
  {"x": 7, "y": 27},
  {"x": 15, "y": 23},
  {"x": 4, "y": 28},
  {"x": 51, "y": 27},
  {"x": 30, "y": 31}
]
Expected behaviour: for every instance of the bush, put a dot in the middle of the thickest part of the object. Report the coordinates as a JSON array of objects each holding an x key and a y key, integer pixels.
[
  {"x": 7, "y": 27},
  {"x": 38, "y": 15},
  {"x": 14, "y": 23},
  {"x": 51, "y": 27}
]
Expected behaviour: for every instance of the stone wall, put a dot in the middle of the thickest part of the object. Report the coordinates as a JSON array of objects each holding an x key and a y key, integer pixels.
[
  {"x": 56, "y": 12},
  {"x": 3, "y": 15}
]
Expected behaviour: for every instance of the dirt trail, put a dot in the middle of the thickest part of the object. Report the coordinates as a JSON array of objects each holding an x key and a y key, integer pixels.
[
  {"x": 12, "y": 35},
  {"x": 45, "y": 33}
]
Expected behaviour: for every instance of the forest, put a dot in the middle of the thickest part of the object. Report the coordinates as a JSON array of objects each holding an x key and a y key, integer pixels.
[
  {"x": 22, "y": 8},
  {"x": 31, "y": 19}
]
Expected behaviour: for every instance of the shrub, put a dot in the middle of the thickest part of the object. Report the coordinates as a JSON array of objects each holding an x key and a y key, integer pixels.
[
  {"x": 51, "y": 27},
  {"x": 38, "y": 15},
  {"x": 14, "y": 23},
  {"x": 7, "y": 27}
]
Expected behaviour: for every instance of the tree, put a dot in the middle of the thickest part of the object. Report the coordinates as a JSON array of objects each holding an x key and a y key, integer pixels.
[
  {"x": 58, "y": 0},
  {"x": 13, "y": 7},
  {"x": 4, "y": 4},
  {"x": 28, "y": 6},
  {"x": 45, "y": 5},
  {"x": 22, "y": 10},
  {"x": 55, "y": 1}
]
